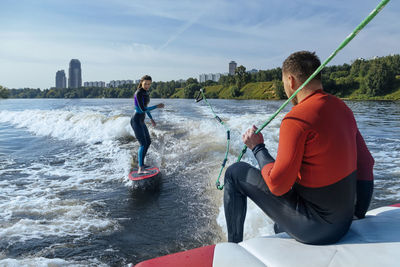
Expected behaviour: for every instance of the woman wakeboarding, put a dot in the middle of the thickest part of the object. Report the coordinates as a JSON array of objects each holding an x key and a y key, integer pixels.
[{"x": 142, "y": 99}]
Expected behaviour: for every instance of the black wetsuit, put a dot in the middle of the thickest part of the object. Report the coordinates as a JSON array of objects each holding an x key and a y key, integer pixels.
[
  {"x": 321, "y": 178},
  {"x": 142, "y": 99}
]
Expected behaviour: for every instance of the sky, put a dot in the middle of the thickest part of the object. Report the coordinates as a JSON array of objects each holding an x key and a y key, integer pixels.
[{"x": 178, "y": 39}]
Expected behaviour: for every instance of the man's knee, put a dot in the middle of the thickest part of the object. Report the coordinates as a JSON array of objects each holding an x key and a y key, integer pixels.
[
  {"x": 236, "y": 171},
  {"x": 231, "y": 170}
]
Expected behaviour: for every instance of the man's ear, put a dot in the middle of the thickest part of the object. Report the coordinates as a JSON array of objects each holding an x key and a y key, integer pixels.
[{"x": 292, "y": 82}]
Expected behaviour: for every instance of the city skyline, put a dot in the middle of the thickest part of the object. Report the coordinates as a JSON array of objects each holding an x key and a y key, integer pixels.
[
  {"x": 124, "y": 40},
  {"x": 75, "y": 77}
]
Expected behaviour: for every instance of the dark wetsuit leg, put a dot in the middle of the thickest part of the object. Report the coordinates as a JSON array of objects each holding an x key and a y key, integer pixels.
[
  {"x": 148, "y": 142},
  {"x": 291, "y": 213},
  {"x": 142, "y": 135}
]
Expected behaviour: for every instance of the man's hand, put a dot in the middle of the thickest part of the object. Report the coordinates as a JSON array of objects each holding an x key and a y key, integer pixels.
[
  {"x": 161, "y": 105},
  {"x": 251, "y": 139},
  {"x": 153, "y": 123}
]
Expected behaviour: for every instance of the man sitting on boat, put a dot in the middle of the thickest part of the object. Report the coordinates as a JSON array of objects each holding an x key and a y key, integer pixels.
[{"x": 322, "y": 176}]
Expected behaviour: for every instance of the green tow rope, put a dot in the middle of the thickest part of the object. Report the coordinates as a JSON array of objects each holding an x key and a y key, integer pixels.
[
  {"x": 228, "y": 136},
  {"x": 381, "y": 5}
]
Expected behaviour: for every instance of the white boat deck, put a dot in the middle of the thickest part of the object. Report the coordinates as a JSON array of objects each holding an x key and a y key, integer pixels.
[{"x": 373, "y": 241}]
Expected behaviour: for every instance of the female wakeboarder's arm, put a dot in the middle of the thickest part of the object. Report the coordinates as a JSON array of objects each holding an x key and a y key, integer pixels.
[
  {"x": 148, "y": 111},
  {"x": 149, "y": 114},
  {"x": 140, "y": 107}
]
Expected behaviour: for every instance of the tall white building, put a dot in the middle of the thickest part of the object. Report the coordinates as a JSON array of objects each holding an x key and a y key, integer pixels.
[
  {"x": 202, "y": 78},
  {"x": 232, "y": 67}
]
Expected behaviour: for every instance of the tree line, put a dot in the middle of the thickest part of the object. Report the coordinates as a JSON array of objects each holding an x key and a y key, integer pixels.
[
  {"x": 3, "y": 92},
  {"x": 374, "y": 77}
]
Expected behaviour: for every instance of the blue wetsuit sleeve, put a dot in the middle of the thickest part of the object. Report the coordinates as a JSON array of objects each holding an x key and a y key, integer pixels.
[
  {"x": 148, "y": 111},
  {"x": 149, "y": 114},
  {"x": 151, "y": 108}
]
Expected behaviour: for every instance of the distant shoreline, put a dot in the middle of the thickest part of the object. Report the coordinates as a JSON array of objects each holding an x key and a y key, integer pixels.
[{"x": 375, "y": 79}]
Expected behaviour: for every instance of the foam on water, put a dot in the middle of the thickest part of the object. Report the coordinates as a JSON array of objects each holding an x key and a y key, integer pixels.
[
  {"x": 36, "y": 208},
  {"x": 39, "y": 205},
  {"x": 86, "y": 126}
]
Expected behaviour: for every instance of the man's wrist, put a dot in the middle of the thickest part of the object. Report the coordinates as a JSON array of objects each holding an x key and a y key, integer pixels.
[{"x": 258, "y": 148}]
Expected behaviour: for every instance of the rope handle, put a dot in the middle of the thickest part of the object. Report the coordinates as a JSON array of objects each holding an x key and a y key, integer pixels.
[{"x": 228, "y": 136}]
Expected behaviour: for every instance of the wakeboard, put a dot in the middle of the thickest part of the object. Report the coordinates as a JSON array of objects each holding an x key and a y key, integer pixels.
[{"x": 145, "y": 181}]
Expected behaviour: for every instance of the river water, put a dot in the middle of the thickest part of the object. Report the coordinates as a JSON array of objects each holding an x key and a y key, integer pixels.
[{"x": 65, "y": 199}]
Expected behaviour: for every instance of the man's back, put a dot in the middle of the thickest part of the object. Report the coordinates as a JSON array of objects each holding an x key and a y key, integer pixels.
[
  {"x": 317, "y": 145},
  {"x": 317, "y": 156},
  {"x": 330, "y": 149}
]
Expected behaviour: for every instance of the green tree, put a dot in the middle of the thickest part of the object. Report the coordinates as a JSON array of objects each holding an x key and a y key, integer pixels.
[
  {"x": 279, "y": 89},
  {"x": 111, "y": 92},
  {"x": 190, "y": 90},
  {"x": 364, "y": 67},
  {"x": 235, "y": 91},
  {"x": 209, "y": 83},
  {"x": 125, "y": 93},
  {"x": 191, "y": 80},
  {"x": 4, "y": 93},
  {"x": 71, "y": 94},
  {"x": 379, "y": 79},
  {"x": 226, "y": 80},
  {"x": 166, "y": 89},
  {"x": 339, "y": 74},
  {"x": 241, "y": 76},
  {"x": 154, "y": 94},
  {"x": 212, "y": 94},
  {"x": 52, "y": 94}
]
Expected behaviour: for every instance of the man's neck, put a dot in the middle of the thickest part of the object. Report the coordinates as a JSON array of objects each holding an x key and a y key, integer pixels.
[{"x": 308, "y": 90}]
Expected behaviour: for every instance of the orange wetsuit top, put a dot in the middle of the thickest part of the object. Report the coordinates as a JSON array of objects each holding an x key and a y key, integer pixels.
[{"x": 319, "y": 145}]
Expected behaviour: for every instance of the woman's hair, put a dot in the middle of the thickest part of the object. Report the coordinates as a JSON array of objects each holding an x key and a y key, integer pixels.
[{"x": 144, "y": 78}]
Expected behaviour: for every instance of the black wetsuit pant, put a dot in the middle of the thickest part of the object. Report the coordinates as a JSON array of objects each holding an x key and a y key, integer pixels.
[
  {"x": 142, "y": 135},
  {"x": 291, "y": 213}
]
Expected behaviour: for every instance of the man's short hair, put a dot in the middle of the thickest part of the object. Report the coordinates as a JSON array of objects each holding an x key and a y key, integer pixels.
[{"x": 302, "y": 64}]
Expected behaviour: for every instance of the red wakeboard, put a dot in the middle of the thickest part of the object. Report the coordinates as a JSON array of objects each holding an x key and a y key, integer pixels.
[{"x": 152, "y": 172}]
